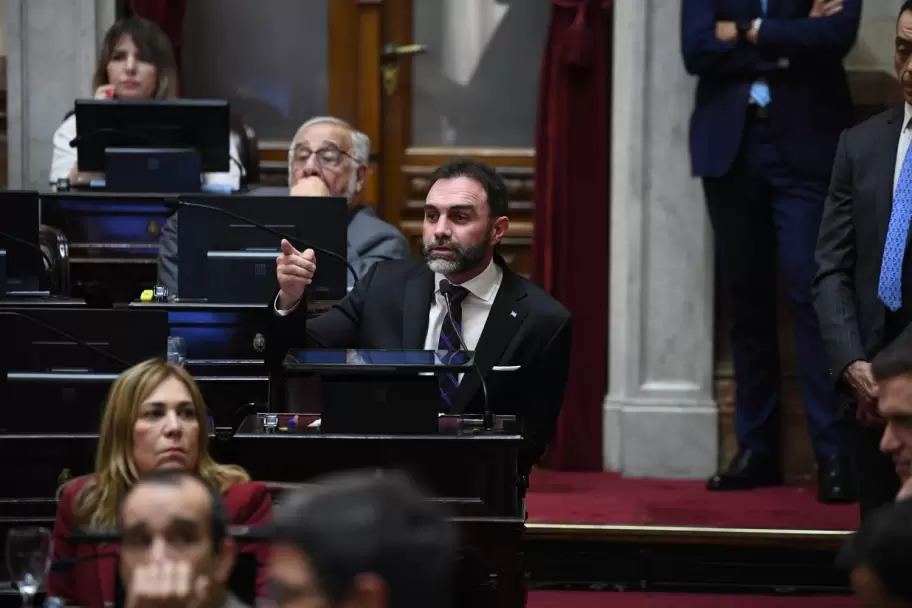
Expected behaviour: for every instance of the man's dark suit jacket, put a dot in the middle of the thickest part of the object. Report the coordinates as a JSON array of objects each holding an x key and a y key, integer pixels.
[
  {"x": 801, "y": 59},
  {"x": 389, "y": 309},
  {"x": 851, "y": 241}
]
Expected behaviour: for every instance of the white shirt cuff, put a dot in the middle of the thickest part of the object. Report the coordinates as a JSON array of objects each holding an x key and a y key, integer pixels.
[{"x": 283, "y": 313}]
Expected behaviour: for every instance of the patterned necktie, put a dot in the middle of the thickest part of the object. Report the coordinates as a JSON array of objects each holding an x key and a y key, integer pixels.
[
  {"x": 760, "y": 91},
  {"x": 889, "y": 289},
  {"x": 449, "y": 342}
]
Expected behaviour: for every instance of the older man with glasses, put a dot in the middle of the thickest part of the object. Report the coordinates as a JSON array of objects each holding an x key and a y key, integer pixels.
[{"x": 327, "y": 157}]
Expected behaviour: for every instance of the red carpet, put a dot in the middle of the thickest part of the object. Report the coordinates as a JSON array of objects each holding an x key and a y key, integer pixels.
[
  {"x": 607, "y": 498},
  {"x": 628, "y": 599}
]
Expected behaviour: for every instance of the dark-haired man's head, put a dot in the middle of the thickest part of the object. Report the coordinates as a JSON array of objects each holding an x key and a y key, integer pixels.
[
  {"x": 465, "y": 216},
  {"x": 902, "y": 52},
  {"x": 174, "y": 529},
  {"x": 878, "y": 558},
  {"x": 892, "y": 370},
  {"x": 361, "y": 541}
]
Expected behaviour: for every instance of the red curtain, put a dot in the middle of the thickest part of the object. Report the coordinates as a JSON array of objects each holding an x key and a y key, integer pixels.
[
  {"x": 570, "y": 245},
  {"x": 169, "y": 16}
]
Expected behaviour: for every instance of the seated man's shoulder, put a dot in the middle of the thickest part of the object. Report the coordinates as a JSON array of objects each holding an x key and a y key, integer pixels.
[
  {"x": 367, "y": 220},
  {"x": 872, "y": 127},
  {"x": 543, "y": 303}
]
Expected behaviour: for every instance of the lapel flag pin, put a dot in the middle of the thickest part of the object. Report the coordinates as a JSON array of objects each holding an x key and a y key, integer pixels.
[{"x": 513, "y": 313}]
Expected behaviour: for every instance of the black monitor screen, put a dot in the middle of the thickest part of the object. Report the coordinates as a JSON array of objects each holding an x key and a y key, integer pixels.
[
  {"x": 205, "y": 235},
  {"x": 21, "y": 220},
  {"x": 202, "y": 125}
]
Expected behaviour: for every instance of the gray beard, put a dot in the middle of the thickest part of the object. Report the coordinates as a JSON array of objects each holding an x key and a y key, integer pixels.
[{"x": 463, "y": 259}]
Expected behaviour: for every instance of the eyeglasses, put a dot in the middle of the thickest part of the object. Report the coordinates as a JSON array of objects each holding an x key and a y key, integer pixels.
[{"x": 329, "y": 156}]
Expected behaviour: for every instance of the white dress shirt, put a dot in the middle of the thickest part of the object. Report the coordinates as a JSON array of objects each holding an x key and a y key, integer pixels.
[{"x": 905, "y": 138}]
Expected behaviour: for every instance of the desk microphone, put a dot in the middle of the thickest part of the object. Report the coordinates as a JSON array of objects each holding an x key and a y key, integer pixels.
[
  {"x": 178, "y": 203},
  {"x": 446, "y": 290},
  {"x": 32, "y": 246},
  {"x": 63, "y": 334}
]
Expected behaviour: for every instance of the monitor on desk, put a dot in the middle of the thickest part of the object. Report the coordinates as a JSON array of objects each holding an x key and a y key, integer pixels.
[
  {"x": 394, "y": 392},
  {"x": 21, "y": 222},
  {"x": 223, "y": 259},
  {"x": 197, "y": 125},
  {"x": 61, "y": 362}
]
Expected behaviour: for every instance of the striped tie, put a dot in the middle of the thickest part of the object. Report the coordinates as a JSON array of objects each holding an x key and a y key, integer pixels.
[{"x": 449, "y": 343}]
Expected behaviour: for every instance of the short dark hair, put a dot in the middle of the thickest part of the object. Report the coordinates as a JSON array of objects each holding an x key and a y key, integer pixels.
[
  {"x": 358, "y": 523},
  {"x": 906, "y": 7},
  {"x": 884, "y": 544},
  {"x": 170, "y": 477},
  {"x": 494, "y": 186},
  {"x": 894, "y": 360}
]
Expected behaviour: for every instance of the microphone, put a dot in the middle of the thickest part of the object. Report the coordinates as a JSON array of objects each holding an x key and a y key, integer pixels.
[
  {"x": 178, "y": 203},
  {"x": 155, "y": 141},
  {"x": 65, "y": 564},
  {"x": 446, "y": 290},
  {"x": 63, "y": 334},
  {"x": 33, "y": 246}
]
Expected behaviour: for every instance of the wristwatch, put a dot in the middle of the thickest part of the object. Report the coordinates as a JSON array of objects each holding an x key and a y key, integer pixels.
[{"x": 743, "y": 28}]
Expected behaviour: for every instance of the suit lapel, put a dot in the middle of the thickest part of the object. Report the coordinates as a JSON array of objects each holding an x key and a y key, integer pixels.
[
  {"x": 506, "y": 316},
  {"x": 419, "y": 291},
  {"x": 886, "y": 164}
]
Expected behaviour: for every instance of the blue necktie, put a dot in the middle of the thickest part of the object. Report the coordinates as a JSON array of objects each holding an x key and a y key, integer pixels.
[
  {"x": 889, "y": 289},
  {"x": 449, "y": 343},
  {"x": 760, "y": 91}
]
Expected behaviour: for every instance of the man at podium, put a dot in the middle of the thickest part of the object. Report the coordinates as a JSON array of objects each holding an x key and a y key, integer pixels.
[{"x": 520, "y": 335}]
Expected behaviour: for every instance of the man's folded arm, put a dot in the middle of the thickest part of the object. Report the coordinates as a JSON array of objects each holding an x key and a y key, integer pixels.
[
  {"x": 833, "y": 288},
  {"x": 544, "y": 395},
  {"x": 829, "y": 37},
  {"x": 706, "y": 55}
]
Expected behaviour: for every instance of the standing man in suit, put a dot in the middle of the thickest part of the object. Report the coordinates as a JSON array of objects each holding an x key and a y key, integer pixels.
[
  {"x": 327, "y": 157},
  {"x": 772, "y": 98},
  {"x": 505, "y": 319},
  {"x": 863, "y": 289}
]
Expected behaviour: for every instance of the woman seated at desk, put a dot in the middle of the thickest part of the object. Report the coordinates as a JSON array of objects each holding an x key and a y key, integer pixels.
[
  {"x": 136, "y": 62},
  {"x": 155, "y": 418}
]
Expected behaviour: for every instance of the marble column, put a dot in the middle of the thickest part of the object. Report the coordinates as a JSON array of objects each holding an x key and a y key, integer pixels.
[
  {"x": 660, "y": 419},
  {"x": 51, "y": 49}
]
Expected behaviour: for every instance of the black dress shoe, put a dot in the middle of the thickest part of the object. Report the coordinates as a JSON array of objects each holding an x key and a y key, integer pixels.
[
  {"x": 747, "y": 470},
  {"x": 834, "y": 483}
]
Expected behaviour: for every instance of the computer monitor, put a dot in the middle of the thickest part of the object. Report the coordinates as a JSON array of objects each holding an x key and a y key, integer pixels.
[
  {"x": 21, "y": 219},
  {"x": 208, "y": 241},
  {"x": 152, "y": 170},
  {"x": 195, "y": 124}
]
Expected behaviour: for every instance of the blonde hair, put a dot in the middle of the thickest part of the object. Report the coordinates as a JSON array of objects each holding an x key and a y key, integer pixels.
[
  {"x": 154, "y": 47},
  {"x": 115, "y": 469}
]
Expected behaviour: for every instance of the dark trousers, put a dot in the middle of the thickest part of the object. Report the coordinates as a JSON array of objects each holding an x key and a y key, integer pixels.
[{"x": 758, "y": 208}]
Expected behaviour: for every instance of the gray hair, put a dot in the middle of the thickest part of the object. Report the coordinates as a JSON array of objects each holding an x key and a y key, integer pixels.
[{"x": 361, "y": 143}]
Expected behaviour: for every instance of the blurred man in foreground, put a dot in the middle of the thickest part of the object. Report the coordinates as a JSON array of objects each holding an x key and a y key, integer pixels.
[
  {"x": 175, "y": 548},
  {"x": 361, "y": 541}
]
